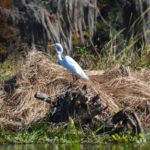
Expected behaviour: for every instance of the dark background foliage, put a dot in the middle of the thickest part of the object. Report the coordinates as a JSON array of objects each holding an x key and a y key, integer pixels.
[{"x": 35, "y": 23}]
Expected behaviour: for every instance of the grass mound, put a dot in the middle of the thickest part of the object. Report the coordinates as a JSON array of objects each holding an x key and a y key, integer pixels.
[{"x": 119, "y": 87}]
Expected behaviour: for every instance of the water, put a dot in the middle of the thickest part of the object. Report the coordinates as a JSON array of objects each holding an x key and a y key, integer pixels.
[{"x": 76, "y": 147}]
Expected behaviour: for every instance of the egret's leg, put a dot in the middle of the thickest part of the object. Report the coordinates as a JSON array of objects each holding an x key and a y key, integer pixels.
[{"x": 75, "y": 78}]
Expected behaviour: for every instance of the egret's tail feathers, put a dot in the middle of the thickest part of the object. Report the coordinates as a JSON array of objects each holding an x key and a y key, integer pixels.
[
  {"x": 84, "y": 76},
  {"x": 87, "y": 77}
]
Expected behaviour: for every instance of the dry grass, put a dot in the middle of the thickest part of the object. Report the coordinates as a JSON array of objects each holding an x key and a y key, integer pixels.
[{"x": 19, "y": 107}]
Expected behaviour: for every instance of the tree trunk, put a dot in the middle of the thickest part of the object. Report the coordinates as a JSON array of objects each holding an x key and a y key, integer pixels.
[{"x": 53, "y": 21}]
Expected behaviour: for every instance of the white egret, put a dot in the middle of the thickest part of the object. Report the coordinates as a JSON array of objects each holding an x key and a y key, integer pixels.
[{"x": 69, "y": 63}]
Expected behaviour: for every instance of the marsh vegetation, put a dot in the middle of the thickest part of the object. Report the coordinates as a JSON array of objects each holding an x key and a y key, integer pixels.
[{"x": 112, "y": 48}]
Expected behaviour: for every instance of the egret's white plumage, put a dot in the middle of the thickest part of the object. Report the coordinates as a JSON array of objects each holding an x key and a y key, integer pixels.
[{"x": 69, "y": 63}]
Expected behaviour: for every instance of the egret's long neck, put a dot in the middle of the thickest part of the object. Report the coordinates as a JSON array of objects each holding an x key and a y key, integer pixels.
[
  {"x": 59, "y": 57},
  {"x": 59, "y": 53}
]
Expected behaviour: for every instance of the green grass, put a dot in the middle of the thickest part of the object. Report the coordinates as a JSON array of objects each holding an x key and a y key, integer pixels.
[
  {"x": 45, "y": 132},
  {"x": 122, "y": 52},
  {"x": 127, "y": 138}
]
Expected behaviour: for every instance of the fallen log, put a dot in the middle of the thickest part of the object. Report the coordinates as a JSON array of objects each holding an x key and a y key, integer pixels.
[
  {"x": 42, "y": 96},
  {"x": 79, "y": 105},
  {"x": 126, "y": 119}
]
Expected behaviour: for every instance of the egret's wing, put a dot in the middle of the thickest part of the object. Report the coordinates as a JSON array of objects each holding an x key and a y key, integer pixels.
[
  {"x": 71, "y": 65},
  {"x": 74, "y": 67}
]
